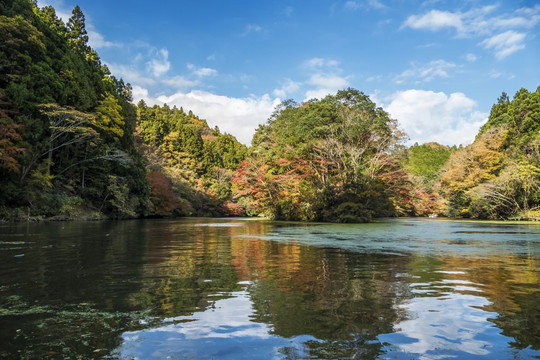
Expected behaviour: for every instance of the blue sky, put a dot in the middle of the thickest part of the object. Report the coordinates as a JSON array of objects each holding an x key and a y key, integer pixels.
[{"x": 436, "y": 66}]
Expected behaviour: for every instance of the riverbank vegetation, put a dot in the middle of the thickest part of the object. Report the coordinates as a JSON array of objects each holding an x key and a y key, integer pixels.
[{"x": 74, "y": 146}]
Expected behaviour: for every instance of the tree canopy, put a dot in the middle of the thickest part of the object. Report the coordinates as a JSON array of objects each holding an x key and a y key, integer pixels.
[{"x": 328, "y": 159}]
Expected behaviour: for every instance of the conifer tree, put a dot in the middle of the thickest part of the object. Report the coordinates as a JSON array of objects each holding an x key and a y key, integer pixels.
[{"x": 77, "y": 29}]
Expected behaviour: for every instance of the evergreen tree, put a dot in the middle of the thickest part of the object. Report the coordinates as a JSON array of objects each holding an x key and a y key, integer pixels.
[{"x": 78, "y": 37}]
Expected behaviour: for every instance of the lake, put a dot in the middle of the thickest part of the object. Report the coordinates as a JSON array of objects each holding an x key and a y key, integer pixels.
[{"x": 252, "y": 289}]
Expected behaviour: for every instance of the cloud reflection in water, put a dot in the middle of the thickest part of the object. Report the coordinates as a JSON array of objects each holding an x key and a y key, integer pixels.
[
  {"x": 447, "y": 321},
  {"x": 223, "y": 331}
]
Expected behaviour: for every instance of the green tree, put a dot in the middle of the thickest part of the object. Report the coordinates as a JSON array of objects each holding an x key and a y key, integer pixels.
[
  {"x": 74, "y": 119},
  {"x": 426, "y": 160},
  {"x": 78, "y": 37},
  {"x": 21, "y": 42}
]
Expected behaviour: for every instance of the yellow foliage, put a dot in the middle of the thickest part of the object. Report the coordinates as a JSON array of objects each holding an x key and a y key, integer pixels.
[
  {"x": 198, "y": 123},
  {"x": 475, "y": 163},
  {"x": 169, "y": 141},
  {"x": 109, "y": 118}
]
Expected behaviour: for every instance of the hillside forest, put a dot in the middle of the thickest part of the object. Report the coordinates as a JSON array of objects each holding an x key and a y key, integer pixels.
[{"x": 73, "y": 145}]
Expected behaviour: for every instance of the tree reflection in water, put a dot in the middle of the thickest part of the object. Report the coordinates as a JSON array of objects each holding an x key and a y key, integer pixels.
[
  {"x": 325, "y": 302},
  {"x": 235, "y": 289}
]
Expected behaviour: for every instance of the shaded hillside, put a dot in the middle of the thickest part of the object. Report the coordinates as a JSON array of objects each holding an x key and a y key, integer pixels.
[
  {"x": 68, "y": 132},
  {"x": 190, "y": 166},
  {"x": 66, "y": 128}
]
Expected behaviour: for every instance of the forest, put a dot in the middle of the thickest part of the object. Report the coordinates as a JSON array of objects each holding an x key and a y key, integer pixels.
[{"x": 73, "y": 145}]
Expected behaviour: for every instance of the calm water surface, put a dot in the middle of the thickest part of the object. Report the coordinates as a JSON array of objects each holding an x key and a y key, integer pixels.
[{"x": 244, "y": 289}]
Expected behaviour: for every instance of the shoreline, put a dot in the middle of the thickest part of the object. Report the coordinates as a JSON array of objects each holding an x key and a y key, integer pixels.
[{"x": 96, "y": 216}]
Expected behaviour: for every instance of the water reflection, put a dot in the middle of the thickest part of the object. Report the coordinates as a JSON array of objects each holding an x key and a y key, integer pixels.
[
  {"x": 446, "y": 321},
  {"x": 231, "y": 289},
  {"x": 225, "y": 330}
]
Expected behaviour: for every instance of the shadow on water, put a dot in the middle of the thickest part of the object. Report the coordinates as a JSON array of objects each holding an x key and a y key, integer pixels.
[{"x": 232, "y": 288}]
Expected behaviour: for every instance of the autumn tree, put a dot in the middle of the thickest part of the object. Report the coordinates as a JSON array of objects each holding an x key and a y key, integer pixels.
[
  {"x": 67, "y": 127},
  {"x": 497, "y": 176},
  {"x": 10, "y": 140},
  {"x": 108, "y": 118},
  {"x": 329, "y": 157}
]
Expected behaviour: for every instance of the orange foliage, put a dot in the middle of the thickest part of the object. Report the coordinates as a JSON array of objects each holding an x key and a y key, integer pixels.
[{"x": 476, "y": 163}]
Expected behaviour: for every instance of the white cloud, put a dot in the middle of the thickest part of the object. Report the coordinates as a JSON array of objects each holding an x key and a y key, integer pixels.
[
  {"x": 473, "y": 22},
  {"x": 180, "y": 82},
  {"x": 435, "y": 20},
  {"x": 377, "y": 78},
  {"x": 130, "y": 74},
  {"x": 329, "y": 81},
  {"x": 160, "y": 64},
  {"x": 140, "y": 93},
  {"x": 237, "y": 116},
  {"x": 505, "y": 43},
  {"x": 96, "y": 41},
  {"x": 287, "y": 88},
  {"x": 482, "y": 22},
  {"x": 202, "y": 72},
  {"x": 325, "y": 77},
  {"x": 355, "y": 5},
  {"x": 318, "y": 63},
  {"x": 471, "y": 57},
  {"x": 376, "y": 4},
  {"x": 434, "y": 116},
  {"x": 426, "y": 72}
]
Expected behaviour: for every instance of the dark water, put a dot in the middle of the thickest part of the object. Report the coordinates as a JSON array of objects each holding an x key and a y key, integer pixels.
[{"x": 241, "y": 289}]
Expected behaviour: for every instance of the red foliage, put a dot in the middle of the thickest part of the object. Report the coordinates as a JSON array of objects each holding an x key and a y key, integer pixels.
[
  {"x": 233, "y": 209},
  {"x": 267, "y": 185},
  {"x": 426, "y": 203},
  {"x": 162, "y": 196},
  {"x": 9, "y": 140},
  {"x": 397, "y": 183}
]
